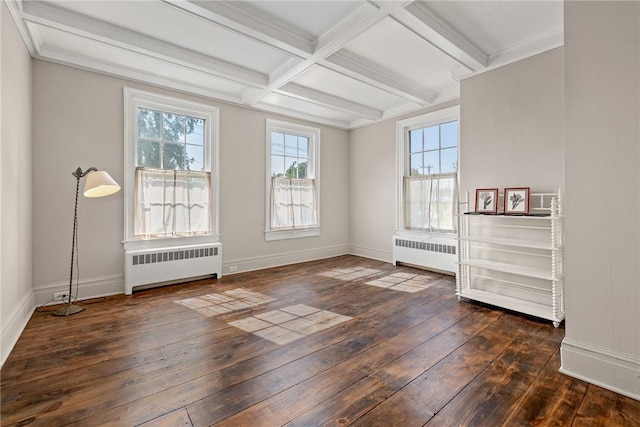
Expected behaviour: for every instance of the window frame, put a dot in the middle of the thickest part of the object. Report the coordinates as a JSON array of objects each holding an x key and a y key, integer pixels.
[
  {"x": 133, "y": 99},
  {"x": 313, "y": 167},
  {"x": 403, "y": 163}
]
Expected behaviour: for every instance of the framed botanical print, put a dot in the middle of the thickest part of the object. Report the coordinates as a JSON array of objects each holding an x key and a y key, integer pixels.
[
  {"x": 487, "y": 200},
  {"x": 516, "y": 201}
]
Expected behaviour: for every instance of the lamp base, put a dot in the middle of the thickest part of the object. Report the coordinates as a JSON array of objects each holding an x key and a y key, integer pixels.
[{"x": 67, "y": 310}]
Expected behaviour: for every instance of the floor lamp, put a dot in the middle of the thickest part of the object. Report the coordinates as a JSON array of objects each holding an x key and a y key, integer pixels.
[{"x": 98, "y": 184}]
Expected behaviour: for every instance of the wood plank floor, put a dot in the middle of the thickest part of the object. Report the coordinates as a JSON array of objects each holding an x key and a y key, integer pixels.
[{"x": 322, "y": 347}]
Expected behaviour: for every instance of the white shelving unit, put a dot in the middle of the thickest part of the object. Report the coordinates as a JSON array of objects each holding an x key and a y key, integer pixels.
[{"x": 514, "y": 262}]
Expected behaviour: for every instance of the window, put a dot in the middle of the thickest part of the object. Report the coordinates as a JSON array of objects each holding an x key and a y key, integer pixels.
[
  {"x": 171, "y": 168},
  {"x": 292, "y": 184},
  {"x": 427, "y": 165}
]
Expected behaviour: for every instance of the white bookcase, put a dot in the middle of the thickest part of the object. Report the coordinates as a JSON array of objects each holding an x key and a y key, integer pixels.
[{"x": 514, "y": 262}]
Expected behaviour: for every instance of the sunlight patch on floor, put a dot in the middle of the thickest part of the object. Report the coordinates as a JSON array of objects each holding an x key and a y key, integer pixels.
[
  {"x": 405, "y": 282},
  {"x": 354, "y": 273},
  {"x": 226, "y": 302},
  {"x": 289, "y": 323}
]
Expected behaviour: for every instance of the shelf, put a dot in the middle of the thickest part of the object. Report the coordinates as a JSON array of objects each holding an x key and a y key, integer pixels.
[
  {"x": 516, "y": 304},
  {"x": 508, "y": 242},
  {"x": 513, "y": 216},
  {"x": 524, "y": 280},
  {"x": 520, "y": 270}
]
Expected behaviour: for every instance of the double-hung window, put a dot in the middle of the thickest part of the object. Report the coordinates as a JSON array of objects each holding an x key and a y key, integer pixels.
[
  {"x": 427, "y": 155},
  {"x": 292, "y": 184},
  {"x": 171, "y": 168}
]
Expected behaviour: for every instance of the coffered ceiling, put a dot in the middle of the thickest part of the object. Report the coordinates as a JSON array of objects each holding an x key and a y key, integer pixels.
[{"x": 341, "y": 63}]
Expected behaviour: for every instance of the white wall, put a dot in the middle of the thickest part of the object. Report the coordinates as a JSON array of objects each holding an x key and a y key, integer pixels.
[
  {"x": 79, "y": 117},
  {"x": 602, "y": 109},
  {"x": 242, "y": 159},
  {"x": 511, "y": 126},
  {"x": 16, "y": 296}
]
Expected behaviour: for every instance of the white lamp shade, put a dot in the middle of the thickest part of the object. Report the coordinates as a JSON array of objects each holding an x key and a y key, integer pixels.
[{"x": 99, "y": 184}]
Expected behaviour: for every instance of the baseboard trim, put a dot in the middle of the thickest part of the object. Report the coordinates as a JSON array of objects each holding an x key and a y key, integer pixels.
[
  {"x": 601, "y": 366},
  {"x": 114, "y": 284},
  {"x": 94, "y": 287},
  {"x": 286, "y": 258},
  {"x": 376, "y": 254},
  {"x": 15, "y": 324}
]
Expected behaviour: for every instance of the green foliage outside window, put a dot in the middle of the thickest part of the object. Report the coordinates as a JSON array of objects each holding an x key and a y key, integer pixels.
[{"x": 163, "y": 139}]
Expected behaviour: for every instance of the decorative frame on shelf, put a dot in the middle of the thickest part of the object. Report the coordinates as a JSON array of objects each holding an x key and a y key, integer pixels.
[
  {"x": 516, "y": 201},
  {"x": 487, "y": 200}
]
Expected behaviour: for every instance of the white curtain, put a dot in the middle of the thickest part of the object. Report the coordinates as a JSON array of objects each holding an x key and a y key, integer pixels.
[
  {"x": 430, "y": 202},
  {"x": 172, "y": 203},
  {"x": 293, "y": 203}
]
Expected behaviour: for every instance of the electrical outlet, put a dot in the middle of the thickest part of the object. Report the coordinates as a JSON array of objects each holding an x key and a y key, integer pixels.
[
  {"x": 233, "y": 269},
  {"x": 60, "y": 295}
]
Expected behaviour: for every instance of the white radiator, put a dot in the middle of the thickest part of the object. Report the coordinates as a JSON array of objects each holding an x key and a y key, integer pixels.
[
  {"x": 159, "y": 265},
  {"x": 435, "y": 253}
]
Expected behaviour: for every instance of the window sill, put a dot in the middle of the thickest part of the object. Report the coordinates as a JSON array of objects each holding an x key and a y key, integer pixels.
[
  {"x": 271, "y": 235},
  {"x": 140, "y": 244},
  {"x": 425, "y": 234}
]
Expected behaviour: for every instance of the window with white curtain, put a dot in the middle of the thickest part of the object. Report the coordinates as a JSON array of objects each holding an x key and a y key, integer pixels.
[
  {"x": 171, "y": 203},
  {"x": 427, "y": 156},
  {"x": 292, "y": 182},
  {"x": 171, "y": 168}
]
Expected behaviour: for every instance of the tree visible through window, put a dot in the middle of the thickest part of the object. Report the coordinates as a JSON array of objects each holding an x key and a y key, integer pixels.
[
  {"x": 292, "y": 181},
  {"x": 170, "y": 141},
  {"x": 289, "y": 155},
  {"x": 171, "y": 158}
]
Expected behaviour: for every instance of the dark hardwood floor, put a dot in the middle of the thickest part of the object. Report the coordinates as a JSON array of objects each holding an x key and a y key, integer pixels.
[{"x": 391, "y": 357}]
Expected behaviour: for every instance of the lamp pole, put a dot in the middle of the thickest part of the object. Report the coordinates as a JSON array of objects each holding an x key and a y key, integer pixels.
[{"x": 70, "y": 308}]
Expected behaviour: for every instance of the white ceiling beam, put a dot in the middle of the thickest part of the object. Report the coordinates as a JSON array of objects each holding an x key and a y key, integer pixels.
[
  {"x": 359, "y": 68},
  {"x": 352, "y": 26},
  {"x": 324, "y": 99},
  {"x": 145, "y": 76},
  {"x": 346, "y": 30},
  {"x": 422, "y": 21},
  {"x": 54, "y": 17},
  {"x": 247, "y": 21}
]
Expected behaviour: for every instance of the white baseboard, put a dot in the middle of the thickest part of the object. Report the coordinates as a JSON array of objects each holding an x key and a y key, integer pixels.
[
  {"x": 378, "y": 255},
  {"x": 94, "y": 287},
  {"x": 114, "y": 284},
  {"x": 15, "y": 324},
  {"x": 601, "y": 366},
  {"x": 286, "y": 258}
]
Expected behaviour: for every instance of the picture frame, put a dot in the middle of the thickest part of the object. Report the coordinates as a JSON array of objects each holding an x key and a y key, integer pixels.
[
  {"x": 516, "y": 201},
  {"x": 487, "y": 200}
]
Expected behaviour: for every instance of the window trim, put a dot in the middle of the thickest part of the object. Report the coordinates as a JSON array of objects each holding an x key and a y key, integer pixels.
[
  {"x": 402, "y": 162},
  {"x": 314, "y": 166},
  {"x": 133, "y": 99}
]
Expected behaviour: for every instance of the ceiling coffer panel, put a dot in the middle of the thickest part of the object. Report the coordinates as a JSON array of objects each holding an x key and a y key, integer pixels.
[
  {"x": 341, "y": 63},
  {"x": 340, "y": 85},
  {"x": 495, "y": 26},
  {"x": 392, "y": 47},
  {"x": 311, "y": 19}
]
